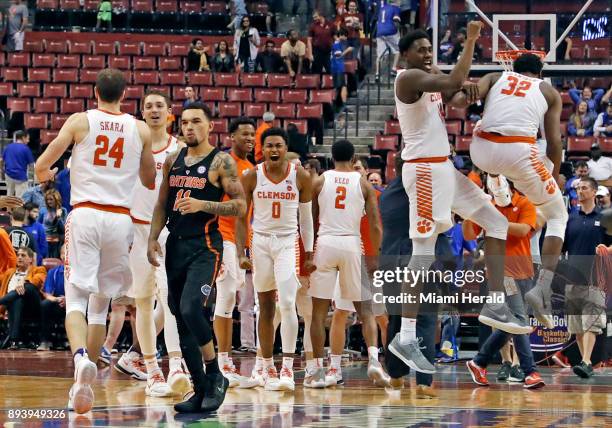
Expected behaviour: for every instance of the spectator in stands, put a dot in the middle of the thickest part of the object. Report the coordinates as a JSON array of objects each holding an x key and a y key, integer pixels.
[
  {"x": 53, "y": 217},
  {"x": 387, "y": 34},
  {"x": 239, "y": 9},
  {"x": 53, "y": 305},
  {"x": 600, "y": 167},
  {"x": 269, "y": 61},
  {"x": 320, "y": 41},
  {"x": 16, "y": 25},
  {"x": 457, "y": 159},
  {"x": 605, "y": 100},
  {"x": 603, "y": 124},
  {"x": 591, "y": 97},
  {"x": 19, "y": 294},
  {"x": 564, "y": 50},
  {"x": 352, "y": 21},
  {"x": 196, "y": 57},
  {"x": 223, "y": 61},
  {"x": 446, "y": 46},
  {"x": 105, "y": 15},
  {"x": 246, "y": 42},
  {"x": 16, "y": 158},
  {"x": 458, "y": 47},
  {"x": 293, "y": 51},
  {"x": 37, "y": 230},
  {"x": 476, "y": 176},
  {"x": 36, "y": 194},
  {"x": 62, "y": 183},
  {"x": 268, "y": 120},
  {"x": 17, "y": 233},
  {"x": 8, "y": 258},
  {"x": 313, "y": 166},
  {"x": 581, "y": 122},
  {"x": 581, "y": 170},
  {"x": 603, "y": 197},
  {"x": 340, "y": 50},
  {"x": 376, "y": 180},
  {"x": 297, "y": 143},
  {"x": 191, "y": 96}
]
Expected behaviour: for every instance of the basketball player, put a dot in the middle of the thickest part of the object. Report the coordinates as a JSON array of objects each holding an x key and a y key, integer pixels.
[
  {"x": 435, "y": 188},
  {"x": 516, "y": 103},
  {"x": 195, "y": 180},
  {"x": 232, "y": 277},
  {"x": 341, "y": 196},
  {"x": 148, "y": 280},
  {"x": 111, "y": 149},
  {"x": 278, "y": 189}
]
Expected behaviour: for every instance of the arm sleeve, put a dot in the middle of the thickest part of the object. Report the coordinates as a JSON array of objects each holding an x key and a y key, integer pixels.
[{"x": 306, "y": 226}]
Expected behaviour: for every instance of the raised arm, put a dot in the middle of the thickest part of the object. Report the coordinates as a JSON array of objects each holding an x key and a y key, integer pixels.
[
  {"x": 147, "y": 163},
  {"x": 552, "y": 128},
  {"x": 67, "y": 135},
  {"x": 248, "y": 181},
  {"x": 160, "y": 216}
]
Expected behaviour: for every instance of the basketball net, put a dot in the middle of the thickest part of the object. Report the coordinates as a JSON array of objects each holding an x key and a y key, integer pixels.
[{"x": 506, "y": 58}]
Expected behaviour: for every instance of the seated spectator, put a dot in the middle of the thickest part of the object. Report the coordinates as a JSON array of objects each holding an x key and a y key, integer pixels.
[
  {"x": 223, "y": 61},
  {"x": 446, "y": 46},
  {"x": 376, "y": 180},
  {"x": 352, "y": 21},
  {"x": 293, "y": 51},
  {"x": 20, "y": 294},
  {"x": 269, "y": 61},
  {"x": 602, "y": 197},
  {"x": 105, "y": 15},
  {"x": 600, "y": 167},
  {"x": 340, "y": 49},
  {"x": 603, "y": 124},
  {"x": 37, "y": 230},
  {"x": 458, "y": 47},
  {"x": 581, "y": 122},
  {"x": 16, "y": 157},
  {"x": 591, "y": 97},
  {"x": 36, "y": 194},
  {"x": 191, "y": 95},
  {"x": 581, "y": 170},
  {"x": 18, "y": 235},
  {"x": 196, "y": 58},
  {"x": 53, "y": 217},
  {"x": 53, "y": 305},
  {"x": 246, "y": 42}
]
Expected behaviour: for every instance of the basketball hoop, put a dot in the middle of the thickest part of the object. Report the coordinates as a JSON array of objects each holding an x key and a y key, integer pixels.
[{"x": 506, "y": 58}]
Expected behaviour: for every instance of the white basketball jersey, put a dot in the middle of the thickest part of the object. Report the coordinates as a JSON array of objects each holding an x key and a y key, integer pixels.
[
  {"x": 105, "y": 165},
  {"x": 423, "y": 126},
  {"x": 514, "y": 105},
  {"x": 341, "y": 204},
  {"x": 145, "y": 199},
  {"x": 275, "y": 205}
]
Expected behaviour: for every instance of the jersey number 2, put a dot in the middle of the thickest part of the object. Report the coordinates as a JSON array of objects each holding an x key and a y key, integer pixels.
[
  {"x": 340, "y": 197},
  {"x": 516, "y": 87},
  {"x": 103, "y": 152}
]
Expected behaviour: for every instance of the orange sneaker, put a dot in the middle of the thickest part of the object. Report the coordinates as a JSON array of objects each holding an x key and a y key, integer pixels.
[
  {"x": 479, "y": 375},
  {"x": 533, "y": 381}
]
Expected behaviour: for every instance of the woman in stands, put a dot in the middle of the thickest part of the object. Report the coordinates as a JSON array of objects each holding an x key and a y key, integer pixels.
[
  {"x": 222, "y": 62},
  {"x": 246, "y": 42},
  {"x": 53, "y": 217}
]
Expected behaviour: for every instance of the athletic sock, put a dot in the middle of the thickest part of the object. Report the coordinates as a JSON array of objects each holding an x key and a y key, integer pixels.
[
  {"x": 223, "y": 358},
  {"x": 151, "y": 365},
  {"x": 288, "y": 362},
  {"x": 80, "y": 353},
  {"x": 212, "y": 366},
  {"x": 319, "y": 362},
  {"x": 335, "y": 361},
  {"x": 175, "y": 363},
  {"x": 408, "y": 330},
  {"x": 268, "y": 362},
  {"x": 259, "y": 363},
  {"x": 373, "y": 352}
]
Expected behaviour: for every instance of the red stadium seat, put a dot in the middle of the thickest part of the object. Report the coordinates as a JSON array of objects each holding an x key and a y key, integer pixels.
[
  {"x": 81, "y": 91},
  {"x": 6, "y": 89},
  {"x": 325, "y": 96},
  {"x": 267, "y": 95},
  {"x": 255, "y": 110},
  {"x": 201, "y": 79},
  {"x": 563, "y": 129},
  {"x": 227, "y": 79},
  {"x": 307, "y": 81},
  {"x": 2, "y": 58},
  {"x": 145, "y": 6},
  {"x": 43, "y": 60},
  {"x": 462, "y": 144},
  {"x": 213, "y": 94},
  {"x": 120, "y": 62},
  {"x": 385, "y": 142},
  {"x": 18, "y": 105},
  {"x": 123, "y": 5},
  {"x": 225, "y": 141},
  {"x": 213, "y": 139},
  {"x": 215, "y": 7},
  {"x": 18, "y": 59},
  {"x": 279, "y": 81},
  {"x": 58, "y": 120},
  {"x": 302, "y": 125},
  {"x": 453, "y": 127},
  {"x": 40, "y": 75},
  {"x": 328, "y": 81},
  {"x": 28, "y": 89},
  {"x": 177, "y": 109},
  {"x": 154, "y": 49},
  {"x": 566, "y": 112},
  {"x": 310, "y": 111},
  {"x": 392, "y": 127},
  {"x": 96, "y": 62},
  {"x": 47, "y": 4},
  {"x": 68, "y": 105},
  {"x": 35, "y": 121},
  {"x": 254, "y": 80},
  {"x": 35, "y": 46},
  {"x": 283, "y": 111},
  {"x": 87, "y": 76},
  {"x": 220, "y": 126},
  {"x": 172, "y": 78},
  {"x": 57, "y": 46},
  {"x": 103, "y": 48},
  {"x": 128, "y": 74},
  {"x": 579, "y": 144},
  {"x": 178, "y": 93},
  {"x": 166, "y": 6},
  {"x": 297, "y": 96},
  {"x": 91, "y": 104},
  {"x": 46, "y": 136},
  {"x": 605, "y": 143},
  {"x": 178, "y": 49},
  {"x": 191, "y": 7},
  {"x": 230, "y": 109},
  {"x": 163, "y": 89},
  {"x": 240, "y": 95},
  {"x": 567, "y": 100},
  {"x": 69, "y": 61},
  {"x": 91, "y": 5},
  {"x": 350, "y": 66},
  {"x": 129, "y": 106},
  {"x": 145, "y": 63},
  {"x": 77, "y": 47},
  {"x": 170, "y": 63},
  {"x": 129, "y": 48},
  {"x": 146, "y": 77},
  {"x": 455, "y": 113},
  {"x": 469, "y": 127},
  {"x": 70, "y": 4},
  {"x": 134, "y": 92}
]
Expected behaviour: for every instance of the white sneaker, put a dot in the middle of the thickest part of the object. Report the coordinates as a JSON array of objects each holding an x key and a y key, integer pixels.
[
  {"x": 315, "y": 378},
  {"x": 131, "y": 365},
  {"x": 157, "y": 386},
  {"x": 256, "y": 379},
  {"x": 333, "y": 377},
  {"x": 286, "y": 382},
  {"x": 230, "y": 373},
  {"x": 81, "y": 396},
  {"x": 178, "y": 381},
  {"x": 377, "y": 374},
  {"x": 272, "y": 382}
]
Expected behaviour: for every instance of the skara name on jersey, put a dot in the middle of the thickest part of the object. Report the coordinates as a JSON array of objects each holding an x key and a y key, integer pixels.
[
  {"x": 111, "y": 126},
  {"x": 186, "y": 181},
  {"x": 287, "y": 196}
]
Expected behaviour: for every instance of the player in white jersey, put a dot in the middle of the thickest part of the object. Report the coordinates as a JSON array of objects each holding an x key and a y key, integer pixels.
[
  {"x": 435, "y": 188},
  {"x": 111, "y": 150},
  {"x": 516, "y": 103},
  {"x": 278, "y": 189},
  {"x": 340, "y": 198},
  {"x": 147, "y": 280}
]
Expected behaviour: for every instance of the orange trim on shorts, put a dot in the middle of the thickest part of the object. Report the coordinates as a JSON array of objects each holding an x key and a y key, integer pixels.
[
  {"x": 110, "y": 112},
  {"x": 424, "y": 192},
  {"x": 437, "y": 159},
  {"x": 138, "y": 221},
  {"x": 101, "y": 207},
  {"x": 212, "y": 249},
  {"x": 496, "y": 138},
  {"x": 540, "y": 169},
  {"x": 281, "y": 180}
]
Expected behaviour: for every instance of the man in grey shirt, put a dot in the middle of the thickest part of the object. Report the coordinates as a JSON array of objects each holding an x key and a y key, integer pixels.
[{"x": 15, "y": 31}]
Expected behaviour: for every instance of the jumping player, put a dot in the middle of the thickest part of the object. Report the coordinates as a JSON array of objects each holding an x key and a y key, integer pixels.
[
  {"x": 195, "y": 180},
  {"x": 111, "y": 149}
]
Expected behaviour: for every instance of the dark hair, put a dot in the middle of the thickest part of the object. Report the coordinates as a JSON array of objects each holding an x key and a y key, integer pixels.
[
  {"x": 18, "y": 213},
  {"x": 274, "y": 132},
  {"x": 242, "y": 20},
  {"x": 218, "y": 48},
  {"x": 196, "y": 40},
  {"x": 270, "y": 42},
  {"x": 242, "y": 120},
  {"x": 314, "y": 164},
  {"x": 592, "y": 182},
  {"x": 158, "y": 93},
  {"x": 111, "y": 84},
  {"x": 30, "y": 206},
  {"x": 528, "y": 63},
  {"x": 27, "y": 250},
  {"x": 200, "y": 106},
  {"x": 407, "y": 41},
  {"x": 342, "y": 151},
  {"x": 291, "y": 31},
  {"x": 582, "y": 164},
  {"x": 342, "y": 32},
  {"x": 20, "y": 135}
]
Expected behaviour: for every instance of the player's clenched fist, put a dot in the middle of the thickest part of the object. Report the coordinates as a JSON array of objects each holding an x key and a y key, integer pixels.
[
  {"x": 473, "y": 30},
  {"x": 245, "y": 263},
  {"x": 188, "y": 205},
  {"x": 153, "y": 252}
]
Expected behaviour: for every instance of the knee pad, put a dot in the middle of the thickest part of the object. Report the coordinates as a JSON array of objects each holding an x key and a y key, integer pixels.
[
  {"x": 97, "y": 310},
  {"x": 492, "y": 221},
  {"x": 224, "y": 306},
  {"x": 555, "y": 213},
  {"x": 287, "y": 298}
]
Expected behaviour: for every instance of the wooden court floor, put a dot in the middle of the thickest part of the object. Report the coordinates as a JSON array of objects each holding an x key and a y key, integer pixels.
[{"x": 32, "y": 380}]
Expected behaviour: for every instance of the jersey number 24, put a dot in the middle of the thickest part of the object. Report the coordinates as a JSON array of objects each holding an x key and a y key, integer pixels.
[{"x": 104, "y": 151}]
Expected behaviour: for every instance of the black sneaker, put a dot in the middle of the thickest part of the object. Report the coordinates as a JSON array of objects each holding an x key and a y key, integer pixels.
[
  {"x": 504, "y": 371},
  {"x": 583, "y": 370},
  {"x": 516, "y": 375},
  {"x": 192, "y": 405},
  {"x": 216, "y": 387}
]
